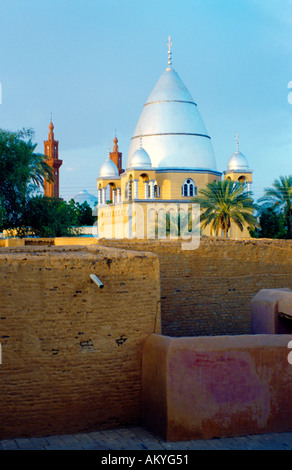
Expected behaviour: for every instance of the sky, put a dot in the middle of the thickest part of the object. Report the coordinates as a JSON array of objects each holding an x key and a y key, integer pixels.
[{"x": 91, "y": 65}]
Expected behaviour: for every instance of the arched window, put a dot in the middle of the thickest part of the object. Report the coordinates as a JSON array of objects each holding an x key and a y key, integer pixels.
[
  {"x": 242, "y": 180},
  {"x": 128, "y": 190},
  {"x": 188, "y": 188},
  {"x": 156, "y": 190}
]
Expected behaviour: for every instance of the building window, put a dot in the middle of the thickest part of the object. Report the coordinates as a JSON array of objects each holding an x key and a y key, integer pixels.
[
  {"x": 242, "y": 180},
  {"x": 188, "y": 188},
  {"x": 156, "y": 190},
  {"x": 128, "y": 190}
]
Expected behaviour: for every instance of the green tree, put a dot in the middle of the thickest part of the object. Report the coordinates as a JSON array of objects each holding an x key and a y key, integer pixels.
[
  {"x": 49, "y": 217},
  {"x": 83, "y": 213},
  {"x": 1, "y": 212},
  {"x": 279, "y": 199},
  {"x": 271, "y": 224},
  {"x": 224, "y": 201},
  {"x": 22, "y": 171}
]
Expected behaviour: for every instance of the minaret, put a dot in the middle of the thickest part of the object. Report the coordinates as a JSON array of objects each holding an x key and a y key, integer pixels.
[
  {"x": 51, "y": 151},
  {"x": 116, "y": 156}
]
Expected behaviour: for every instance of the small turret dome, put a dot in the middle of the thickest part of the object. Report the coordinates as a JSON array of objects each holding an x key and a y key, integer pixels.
[
  {"x": 238, "y": 161},
  {"x": 109, "y": 169},
  {"x": 140, "y": 159}
]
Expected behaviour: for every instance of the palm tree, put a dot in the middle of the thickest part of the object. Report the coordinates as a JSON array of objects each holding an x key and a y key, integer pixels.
[
  {"x": 224, "y": 201},
  {"x": 279, "y": 198},
  {"x": 22, "y": 170},
  {"x": 38, "y": 169},
  {"x": 20, "y": 163}
]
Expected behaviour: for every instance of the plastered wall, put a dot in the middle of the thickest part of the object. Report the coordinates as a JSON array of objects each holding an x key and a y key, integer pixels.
[
  {"x": 71, "y": 352},
  {"x": 216, "y": 386}
]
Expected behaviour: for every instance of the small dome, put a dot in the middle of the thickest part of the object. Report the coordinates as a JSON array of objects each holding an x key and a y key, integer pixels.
[
  {"x": 238, "y": 162},
  {"x": 109, "y": 169},
  {"x": 85, "y": 196},
  {"x": 140, "y": 159}
]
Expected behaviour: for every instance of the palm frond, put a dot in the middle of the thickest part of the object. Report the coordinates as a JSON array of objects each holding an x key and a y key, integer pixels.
[{"x": 224, "y": 201}]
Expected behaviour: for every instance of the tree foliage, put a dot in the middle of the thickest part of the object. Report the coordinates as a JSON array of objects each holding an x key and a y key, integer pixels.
[
  {"x": 271, "y": 224},
  {"x": 83, "y": 213},
  {"x": 279, "y": 199},
  {"x": 51, "y": 217},
  {"x": 22, "y": 175},
  {"x": 22, "y": 171},
  {"x": 48, "y": 217},
  {"x": 222, "y": 202}
]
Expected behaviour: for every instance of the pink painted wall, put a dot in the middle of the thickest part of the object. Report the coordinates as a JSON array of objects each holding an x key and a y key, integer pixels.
[
  {"x": 271, "y": 312},
  {"x": 203, "y": 387}
]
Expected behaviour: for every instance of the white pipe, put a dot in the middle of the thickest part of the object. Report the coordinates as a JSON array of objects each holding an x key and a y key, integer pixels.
[{"x": 97, "y": 281}]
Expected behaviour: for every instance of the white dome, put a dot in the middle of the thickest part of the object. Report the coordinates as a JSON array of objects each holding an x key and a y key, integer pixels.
[
  {"x": 238, "y": 162},
  {"x": 140, "y": 159},
  {"x": 109, "y": 169},
  {"x": 174, "y": 135},
  {"x": 85, "y": 196}
]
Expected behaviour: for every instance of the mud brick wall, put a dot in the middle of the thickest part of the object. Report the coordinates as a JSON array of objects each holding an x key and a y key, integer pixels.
[
  {"x": 208, "y": 291},
  {"x": 71, "y": 352}
]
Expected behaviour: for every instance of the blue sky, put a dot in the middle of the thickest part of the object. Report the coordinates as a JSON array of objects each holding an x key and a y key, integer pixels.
[{"x": 93, "y": 63}]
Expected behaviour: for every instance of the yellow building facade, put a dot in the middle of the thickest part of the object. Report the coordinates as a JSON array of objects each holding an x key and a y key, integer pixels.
[{"x": 170, "y": 159}]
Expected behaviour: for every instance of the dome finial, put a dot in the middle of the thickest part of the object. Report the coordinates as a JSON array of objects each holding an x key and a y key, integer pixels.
[
  {"x": 169, "y": 44},
  {"x": 237, "y": 141}
]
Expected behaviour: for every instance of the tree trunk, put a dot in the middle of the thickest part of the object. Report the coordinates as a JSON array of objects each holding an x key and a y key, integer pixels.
[{"x": 225, "y": 232}]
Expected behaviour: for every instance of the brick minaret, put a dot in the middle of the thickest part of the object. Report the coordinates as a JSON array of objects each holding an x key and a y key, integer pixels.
[
  {"x": 116, "y": 156},
  {"x": 51, "y": 151}
]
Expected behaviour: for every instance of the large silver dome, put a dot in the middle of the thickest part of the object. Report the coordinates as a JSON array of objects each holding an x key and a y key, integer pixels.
[{"x": 172, "y": 129}]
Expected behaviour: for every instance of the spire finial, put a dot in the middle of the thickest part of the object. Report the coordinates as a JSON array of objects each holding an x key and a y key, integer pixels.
[
  {"x": 237, "y": 141},
  {"x": 115, "y": 141},
  {"x": 51, "y": 129},
  {"x": 169, "y": 44}
]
